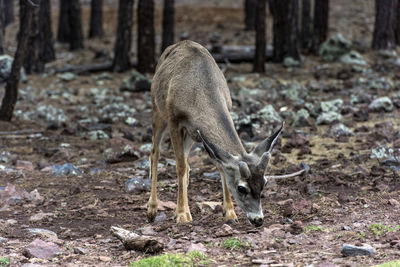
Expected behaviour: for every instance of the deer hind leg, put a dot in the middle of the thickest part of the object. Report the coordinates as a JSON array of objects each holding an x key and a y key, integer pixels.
[
  {"x": 159, "y": 127},
  {"x": 178, "y": 142},
  {"x": 227, "y": 207}
]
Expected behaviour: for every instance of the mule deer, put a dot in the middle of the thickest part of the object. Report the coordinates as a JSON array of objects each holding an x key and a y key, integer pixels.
[{"x": 191, "y": 98}]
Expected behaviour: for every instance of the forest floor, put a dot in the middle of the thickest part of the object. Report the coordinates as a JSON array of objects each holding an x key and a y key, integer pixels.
[{"x": 350, "y": 196}]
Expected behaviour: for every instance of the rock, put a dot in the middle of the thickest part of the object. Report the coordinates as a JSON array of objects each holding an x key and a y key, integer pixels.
[
  {"x": 97, "y": 135},
  {"x": 104, "y": 258},
  {"x": 65, "y": 169},
  {"x": 67, "y": 76},
  {"x": 197, "y": 247},
  {"x": 301, "y": 118},
  {"x": 346, "y": 228},
  {"x": 296, "y": 228},
  {"x": 350, "y": 250},
  {"x": 208, "y": 206},
  {"x": 381, "y": 104},
  {"x": 35, "y": 197},
  {"x": 119, "y": 154},
  {"x": 131, "y": 121},
  {"x": 353, "y": 58},
  {"x": 137, "y": 185},
  {"x": 4, "y": 156},
  {"x": 3, "y": 239},
  {"x": 40, "y": 217},
  {"x": 81, "y": 251},
  {"x": 339, "y": 129},
  {"x": 335, "y": 105},
  {"x": 212, "y": 175},
  {"x": 5, "y": 68},
  {"x": 394, "y": 202},
  {"x": 387, "y": 53},
  {"x": 45, "y": 113},
  {"x": 225, "y": 230},
  {"x": 11, "y": 195},
  {"x": 41, "y": 249},
  {"x": 116, "y": 111},
  {"x": 136, "y": 82},
  {"x": 44, "y": 233},
  {"x": 334, "y": 48},
  {"x": 328, "y": 118},
  {"x": 161, "y": 216},
  {"x": 145, "y": 148},
  {"x": 294, "y": 91},
  {"x": 24, "y": 165},
  {"x": 290, "y": 62},
  {"x": 269, "y": 114},
  {"x": 132, "y": 241}
]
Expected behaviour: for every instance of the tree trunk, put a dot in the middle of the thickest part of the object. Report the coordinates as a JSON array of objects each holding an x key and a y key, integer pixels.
[
  {"x": 47, "y": 53},
  {"x": 285, "y": 15},
  {"x": 321, "y": 22},
  {"x": 259, "y": 57},
  {"x": 11, "y": 94},
  {"x": 75, "y": 25},
  {"x": 63, "y": 22},
  {"x": 123, "y": 41},
  {"x": 168, "y": 24},
  {"x": 306, "y": 23},
  {"x": 250, "y": 13},
  {"x": 8, "y": 11},
  {"x": 146, "y": 36},
  {"x": 2, "y": 26},
  {"x": 96, "y": 19},
  {"x": 385, "y": 24},
  {"x": 32, "y": 61}
]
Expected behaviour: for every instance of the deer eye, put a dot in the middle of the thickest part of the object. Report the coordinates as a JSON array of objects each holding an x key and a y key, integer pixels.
[{"x": 242, "y": 190}]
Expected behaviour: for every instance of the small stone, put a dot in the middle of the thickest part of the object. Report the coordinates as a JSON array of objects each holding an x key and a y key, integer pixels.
[
  {"x": 42, "y": 233},
  {"x": 301, "y": 118},
  {"x": 212, "y": 175},
  {"x": 290, "y": 62},
  {"x": 197, "y": 247},
  {"x": 41, "y": 249},
  {"x": 24, "y": 165},
  {"x": 121, "y": 150},
  {"x": 381, "y": 104},
  {"x": 81, "y": 251},
  {"x": 137, "y": 185},
  {"x": 335, "y": 105},
  {"x": 334, "y": 48},
  {"x": 350, "y": 250},
  {"x": 67, "y": 76},
  {"x": 131, "y": 121},
  {"x": 208, "y": 206},
  {"x": 3, "y": 239},
  {"x": 97, "y": 135},
  {"x": 104, "y": 258},
  {"x": 65, "y": 169},
  {"x": 161, "y": 216},
  {"x": 328, "y": 118},
  {"x": 339, "y": 129},
  {"x": 394, "y": 202},
  {"x": 269, "y": 114},
  {"x": 353, "y": 57},
  {"x": 225, "y": 230},
  {"x": 346, "y": 228}
]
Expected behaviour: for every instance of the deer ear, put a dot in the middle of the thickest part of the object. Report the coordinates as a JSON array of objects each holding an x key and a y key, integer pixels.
[
  {"x": 268, "y": 144},
  {"x": 214, "y": 151}
]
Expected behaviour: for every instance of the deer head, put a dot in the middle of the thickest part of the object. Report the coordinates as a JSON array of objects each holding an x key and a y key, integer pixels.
[{"x": 245, "y": 174}]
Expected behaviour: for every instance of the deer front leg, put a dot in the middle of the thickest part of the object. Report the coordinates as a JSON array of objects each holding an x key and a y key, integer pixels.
[
  {"x": 158, "y": 131},
  {"x": 182, "y": 210},
  {"x": 227, "y": 207}
]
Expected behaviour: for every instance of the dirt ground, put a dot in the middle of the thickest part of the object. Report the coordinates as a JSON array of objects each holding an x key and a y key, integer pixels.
[{"x": 346, "y": 198}]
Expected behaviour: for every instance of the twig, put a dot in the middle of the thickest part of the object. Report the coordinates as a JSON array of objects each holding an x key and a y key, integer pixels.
[
  {"x": 284, "y": 176},
  {"x": 20, "y": 132}
]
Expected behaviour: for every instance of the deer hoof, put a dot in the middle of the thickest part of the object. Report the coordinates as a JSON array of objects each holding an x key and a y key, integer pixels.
[
  {"x": 230, "y": 216},
  {"x": 151, "y": 212},
  {"x": 184, "y": 217}
]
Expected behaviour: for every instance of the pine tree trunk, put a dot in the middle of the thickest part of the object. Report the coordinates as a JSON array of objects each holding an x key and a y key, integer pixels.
[
  {"x": 64, "y": 30},
  {"x": 321, "y": 22},
  {"x": 123, "y": 41},
  {"x": 259, "y": 57},
  {"x": 385, "y": 24},
  {"x": 2, "y": 26},
  {"x": 75, "y": 25},
  {"x": 146, "y": 36},
  {"x": 306, "y": 23},
  {"x": 250, "y": 13},
  {"x": 168, "y": 24},
  {"x": 96, "y": 19},
  {"x": 285, "y": 15},
  {"x": 47, "y": 53},
  {"x": 9, "y": 11},
  {"x": 10, "y": 97}
]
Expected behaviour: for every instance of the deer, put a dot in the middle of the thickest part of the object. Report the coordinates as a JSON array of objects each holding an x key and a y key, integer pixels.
[{"x": 191, "y": 101}]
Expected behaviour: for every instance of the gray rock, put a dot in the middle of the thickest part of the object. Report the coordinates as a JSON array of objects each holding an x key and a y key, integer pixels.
[
  {"x": 333, "y": 105},
  {"x": 45, "y": 113},
  {"x": 353, "y": 58},
  {"x": 145, "y": 148},
  {"x": 41, "y": 216},
  {"x": 269, "y": 114},
  {"x": 117, "y": 111},
  {"x": 131, "y": 121},
  {"x": 97, "y": 135},
  {"x": 67, "y": 76},
  {"x": 3, "y": 239},
  {"x": 290, "y": 62},
  {"x": 328, "y": 118},
  {"x": 41, "y": 249},
  {"x": 197, "y": 247},
  {"x": 212, "y": 175},
  {"x": 346, "y": 228},
  {"x": 136, "y": 82},
  {"x": 334, "y": 48},
  {"x": 42, "y": 233},
  {"x": 381, "y": 104},
  {"x": 161, "y": 216},
  {"x": 301, "y": 118},
  {"x": 120, "y": 153},
  {"x": 387, "y": 53},
  {"x": 4, "y": 156},
  {"x": 350, "y": 250},
  {"x": 5, "y": 68},
  {"x": 65, "y": 169},
  {"x": 137, "y": 185},
  {"x": 81, "y": 251},
  {"x": 294, "y": 91},
  {"x": 339, "y": 129}
]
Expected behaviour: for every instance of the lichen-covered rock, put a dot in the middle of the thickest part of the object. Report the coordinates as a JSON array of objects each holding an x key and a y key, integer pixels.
[
  {"x": 5, "y": 68},
  {"x": 269, "y": 114},
  {"x": 136, "y": 82},
  {"x": 301, "y": 118},
  {"x": 334, "y": 48},
  {"x": 381, "y": 104},
  {"x": 339, "y": 129},
  {"x": 328, "y": 118},
  {"x": 290, "y": 62},
  {"x": 44, "y": 113},
  {"x": 116, "y": 111},
  {"x": 353, "y": 58}
]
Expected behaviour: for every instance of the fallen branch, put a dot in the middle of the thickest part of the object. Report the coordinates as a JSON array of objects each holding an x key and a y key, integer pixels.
[
  {"x": 132, "y": 241},
  {"x": 20, "y": 132},
  {"x": 284, "y": 176}
]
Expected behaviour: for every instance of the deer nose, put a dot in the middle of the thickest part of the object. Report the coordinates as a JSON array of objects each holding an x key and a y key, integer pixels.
[{"x": 257, "y": 222}]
